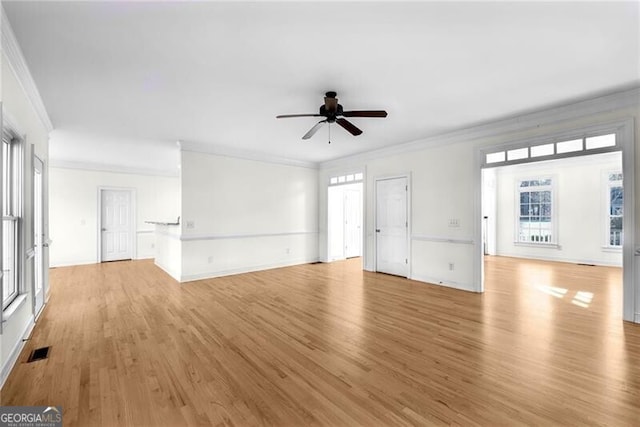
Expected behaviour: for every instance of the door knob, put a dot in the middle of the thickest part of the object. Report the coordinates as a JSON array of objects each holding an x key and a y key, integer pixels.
[
  {"x": 104, "y": 229},
  {"x": 377, "y": 230}
]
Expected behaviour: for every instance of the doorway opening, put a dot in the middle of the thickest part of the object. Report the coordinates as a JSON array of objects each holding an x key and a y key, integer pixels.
[
  {"x": 345, "y": 218},
  {"x": 560, "y": 203},
  {"x": 116, "y": 224}
]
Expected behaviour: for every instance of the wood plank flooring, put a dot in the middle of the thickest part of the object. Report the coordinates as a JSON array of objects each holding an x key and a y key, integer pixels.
[{"x": 329, "y": 344}]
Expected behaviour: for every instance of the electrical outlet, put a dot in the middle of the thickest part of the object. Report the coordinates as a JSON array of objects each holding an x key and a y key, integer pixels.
[
  {"x": 454, "y": 222},
  {"x": 210, "y": 259},
  {"x": 287, "y": 251},
  {"x": 153, "y": 245},
  {"x": 451, "y": 266},
  {"x": 191, "y": 225}
]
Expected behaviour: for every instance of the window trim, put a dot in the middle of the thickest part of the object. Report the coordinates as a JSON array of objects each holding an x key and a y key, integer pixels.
[
  {"x": 15, "y": 213},
  {"x": 554, "y": 243}
]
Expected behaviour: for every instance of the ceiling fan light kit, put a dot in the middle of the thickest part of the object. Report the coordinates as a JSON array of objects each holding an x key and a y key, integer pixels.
[{"x": 334, "y": 113}]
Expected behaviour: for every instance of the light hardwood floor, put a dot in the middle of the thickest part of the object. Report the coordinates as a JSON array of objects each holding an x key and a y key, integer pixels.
[{"x": 329, "y": 344}]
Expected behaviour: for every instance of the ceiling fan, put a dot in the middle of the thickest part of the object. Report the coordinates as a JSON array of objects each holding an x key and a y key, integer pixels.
[{"x": 334, "y": 113}]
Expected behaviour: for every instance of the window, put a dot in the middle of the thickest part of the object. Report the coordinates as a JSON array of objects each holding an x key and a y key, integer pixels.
[
  {"x": 495, "y": 157},
  {"x": 535, "y": 208},
  {"x": 517, "y": 154},
  {"x": 344, "y": 179},
  {"x": 614, "y": 209},
  {"x": 563, "y": 148},
  {"x": 543, "y": 150},
  {"x": 569, "y": 146},
  {"x": 11, "y": 207}
]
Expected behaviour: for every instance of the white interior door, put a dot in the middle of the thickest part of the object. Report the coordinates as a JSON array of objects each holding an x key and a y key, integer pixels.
[
  {"x": 392, "y": 226},
  {"x": 116, "y": 225},
  {"x": 38, "y": 234},
  {"x": 353, "y": 222}
]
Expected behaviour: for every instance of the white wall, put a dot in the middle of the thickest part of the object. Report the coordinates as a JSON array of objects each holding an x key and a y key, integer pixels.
[
  {"x": 580, "y": 204},
  {"x": 74, "y": 212},
  {"x": 243, "y": 215},
  {"x": 441, "y": 184},
  {"x": 16, "y": 103},
  {"x": 168, "y": 250}
]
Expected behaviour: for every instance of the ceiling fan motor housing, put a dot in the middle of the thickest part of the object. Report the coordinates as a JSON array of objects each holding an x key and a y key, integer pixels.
[{"x": 331, "y": 115}]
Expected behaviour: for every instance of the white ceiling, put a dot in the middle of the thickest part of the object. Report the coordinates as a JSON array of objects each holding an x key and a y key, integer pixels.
[{"x": 218, "y": 73}]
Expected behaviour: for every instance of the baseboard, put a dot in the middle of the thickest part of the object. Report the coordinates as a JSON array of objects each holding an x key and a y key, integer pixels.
[
  {"x": 569, "y": 261},
  {"x": 247, "y": 269},
  {"x": 87, "y": 262},
  {"x": 8, "y": 364},
  {"x": 173, "y": 275},
  {"x": 444, "y": 282},
  {"x": 73, "y": 263},
  {"x": 637, "y": 319}
]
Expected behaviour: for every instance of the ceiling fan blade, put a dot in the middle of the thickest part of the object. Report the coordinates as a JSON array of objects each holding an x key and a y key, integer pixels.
[
  {"x": 286, "y": 116},
  {"x": 365, "y": 113},
  {"x": 350, "y": 127},
  {"x": 314, "y": 129}
]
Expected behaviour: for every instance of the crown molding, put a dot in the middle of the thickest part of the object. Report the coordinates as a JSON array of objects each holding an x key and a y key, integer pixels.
[
  {"x": 199, "y": 147},
  {"x": 18, "y": 65},
  {"x": 99, "y": 167},
  {"x": 628, "y": 97}
]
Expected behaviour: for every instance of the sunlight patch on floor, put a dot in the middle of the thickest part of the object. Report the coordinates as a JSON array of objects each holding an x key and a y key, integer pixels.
[
  {"x": 553, "y": 291},
  {"x": 582, "y": 299}
]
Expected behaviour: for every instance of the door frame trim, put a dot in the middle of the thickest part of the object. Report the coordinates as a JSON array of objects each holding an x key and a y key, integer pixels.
[
  {"x": 132, "y": 214},
  {"x": 376, "y": 179},
  {"x": 35, "y": 159}
]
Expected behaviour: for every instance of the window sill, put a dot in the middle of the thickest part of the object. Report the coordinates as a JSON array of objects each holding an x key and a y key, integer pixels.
[
  {"x": 614, "y": 249},
  {"x": 13, "y": 307},
  {"x": 538, "y": 245}
]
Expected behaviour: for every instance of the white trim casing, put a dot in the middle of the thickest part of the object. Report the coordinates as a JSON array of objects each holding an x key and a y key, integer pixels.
[
  {"x": 626, "y": 135},
  {"x": 441, "y": 239},
  {"x": 247, "y": 269},
  {"x": 229, "y": 236},
  {"x": 438, "y": 281}
]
